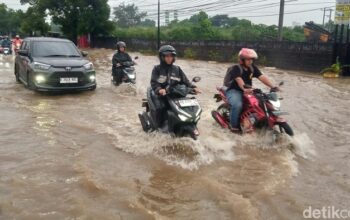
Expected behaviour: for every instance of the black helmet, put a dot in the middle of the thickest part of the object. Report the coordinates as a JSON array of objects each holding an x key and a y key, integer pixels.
[
  {"x": 167, "y": 49},
  {"x": 121, "y": 44}
]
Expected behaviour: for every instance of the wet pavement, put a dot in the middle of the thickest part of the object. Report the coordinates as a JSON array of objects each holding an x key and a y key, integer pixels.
[{"x": 85, "y": 156}]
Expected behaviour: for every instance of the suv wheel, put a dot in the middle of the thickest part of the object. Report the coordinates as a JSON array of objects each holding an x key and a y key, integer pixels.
[
  {"x": 16, "y": 74},
  {"x": 30, "y": 83}
]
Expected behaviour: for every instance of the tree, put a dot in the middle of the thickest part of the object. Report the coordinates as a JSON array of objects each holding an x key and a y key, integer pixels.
[
  {"x": 128, "y": 15},
  {"x": 10, "y": 20},
  {"x": 148, "y": 23},
  {"x": 220, "y": 20},
  {"x": 203, "y": 30},
  {"x": 33, "y": 21},
  {"x": 77, "y": 17}
]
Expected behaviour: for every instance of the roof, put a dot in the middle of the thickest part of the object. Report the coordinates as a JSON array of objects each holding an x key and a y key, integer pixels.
[{"x": 51, "y": 39}]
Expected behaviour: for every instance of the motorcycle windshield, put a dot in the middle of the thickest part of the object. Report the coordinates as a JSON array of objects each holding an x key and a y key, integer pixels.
[
  {"x": 129, "y": 70},
  {"x": 272, "y": 96}
]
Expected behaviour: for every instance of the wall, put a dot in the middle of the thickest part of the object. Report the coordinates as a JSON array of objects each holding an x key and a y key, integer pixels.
[{"x": 286, "y": 55}]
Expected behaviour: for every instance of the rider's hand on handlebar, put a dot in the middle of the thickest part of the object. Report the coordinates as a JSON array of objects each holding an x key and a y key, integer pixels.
[
  {"x": 248, "y": 91},
  {"x": 162, "y": 92},
  {"x": 277, "y": 89}
]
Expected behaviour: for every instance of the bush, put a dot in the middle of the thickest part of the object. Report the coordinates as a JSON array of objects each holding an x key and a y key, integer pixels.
[
  {"x": 213, "y": 55},
  {"x": 190, "y": 54}
]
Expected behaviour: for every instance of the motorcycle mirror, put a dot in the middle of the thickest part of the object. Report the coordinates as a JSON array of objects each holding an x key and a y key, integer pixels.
[
  {"x": 196, "y": 79},
  {"x": 136, "y": 58},
  {"x": 23, "y": 52},
  {"x": 281, "y": 83}
]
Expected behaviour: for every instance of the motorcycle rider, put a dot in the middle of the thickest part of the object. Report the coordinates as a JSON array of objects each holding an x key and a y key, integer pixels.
[
  {"x": 164, "y": 75},
  {"x": 119, "y": 58},
  {"x": 17, "y": 42},
  {"x": 237, "y": 78},
  {"x": 6, "y": 42}
]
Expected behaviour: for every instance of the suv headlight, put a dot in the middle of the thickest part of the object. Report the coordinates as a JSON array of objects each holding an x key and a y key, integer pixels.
[
  {"x": 41, "y": 66},
  {"x": 89, "y": 66}
]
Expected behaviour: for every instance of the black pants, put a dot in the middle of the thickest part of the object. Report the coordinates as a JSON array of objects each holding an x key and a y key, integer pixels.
[
  {"x": 159, "y": 110},
  {"x": 117, "y": 74}
]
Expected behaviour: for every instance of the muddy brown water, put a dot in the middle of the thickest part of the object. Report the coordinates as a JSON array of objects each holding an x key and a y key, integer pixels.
[{"x": 84, "y": 155}]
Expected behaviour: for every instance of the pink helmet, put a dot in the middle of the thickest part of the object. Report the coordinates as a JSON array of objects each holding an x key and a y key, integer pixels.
[{"x": 247, "y": 53}]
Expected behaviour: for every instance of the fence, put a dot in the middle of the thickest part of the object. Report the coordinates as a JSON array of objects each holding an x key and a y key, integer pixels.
[{"x": 286, "y": 55}]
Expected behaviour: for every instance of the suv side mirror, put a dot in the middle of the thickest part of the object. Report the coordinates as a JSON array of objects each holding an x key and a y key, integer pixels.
[
  {"x": 23, "y": 53},
  {"x": 196, "y": 79},
  {"x": 84, "y": 53}
]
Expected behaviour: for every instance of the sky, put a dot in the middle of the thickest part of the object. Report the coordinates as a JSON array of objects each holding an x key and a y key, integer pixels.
[{"x": 258, "y": 11}]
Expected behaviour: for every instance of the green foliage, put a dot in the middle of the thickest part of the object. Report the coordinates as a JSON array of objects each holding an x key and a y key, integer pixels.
[
  {"x": 136, "y": 32},
  {"x": 190, "y": 54},
  {"x": 10, "y": 20},
  {"x": 220, "y": 27},
  {"x": 262, "y": 61},
  {"x": 129, "y": 15},
  {"x": 335, "y": 68},
  {"x": 34, "y": 22},
  {"x": 76, "y": 17},
  {"x": 213, "y": 55}
]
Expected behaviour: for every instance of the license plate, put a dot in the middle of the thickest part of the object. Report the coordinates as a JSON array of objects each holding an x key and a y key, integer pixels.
[
  {"x": 188, "y": 102},
  {"x": 69, "y": 80}
]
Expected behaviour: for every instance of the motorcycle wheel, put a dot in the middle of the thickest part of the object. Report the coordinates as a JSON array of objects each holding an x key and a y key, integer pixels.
[
  {"x": 222, "y": 112},
  {"x": 285, "y": 128}
]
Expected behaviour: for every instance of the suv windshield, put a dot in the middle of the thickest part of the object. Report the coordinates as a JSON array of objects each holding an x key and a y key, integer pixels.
[{"x": 55, "y": 49}]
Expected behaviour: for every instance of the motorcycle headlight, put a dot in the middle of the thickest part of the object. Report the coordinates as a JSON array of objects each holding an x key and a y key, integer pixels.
[
  {"x": 89, "y": 66},
  {"x": 183, "y": 118},
  {"x": 41, "y": 66}
]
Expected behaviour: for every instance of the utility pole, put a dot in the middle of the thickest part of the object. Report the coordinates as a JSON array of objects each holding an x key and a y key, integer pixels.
[
  {"x": 158, "y": 39},
  {"x": 330, "y": 15},
  {"x": 324, "y": 15},
  {"x": 280, "y": 23}
]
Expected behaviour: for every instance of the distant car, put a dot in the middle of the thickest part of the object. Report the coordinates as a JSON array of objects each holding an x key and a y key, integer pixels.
[{"x": 52, "y": 64}]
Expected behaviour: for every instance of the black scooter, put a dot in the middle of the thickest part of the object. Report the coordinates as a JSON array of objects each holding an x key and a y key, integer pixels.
[
  {"x": 182, "y": 115},
  {"x": 128, "y": 71}
]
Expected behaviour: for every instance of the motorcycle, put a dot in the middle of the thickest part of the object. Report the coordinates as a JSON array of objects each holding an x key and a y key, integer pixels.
[
  {"x": 183, "y": 112},
  {"x": 128, "y": 71},
  {"x": 7, "y": 51},
  {"x": 260, "y": 111}
]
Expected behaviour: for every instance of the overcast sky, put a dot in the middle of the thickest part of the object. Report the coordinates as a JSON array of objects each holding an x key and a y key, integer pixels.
[{"x": 258, "y": 11}]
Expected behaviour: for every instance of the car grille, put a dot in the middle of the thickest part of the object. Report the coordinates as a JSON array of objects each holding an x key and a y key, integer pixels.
[{"x": 54, "y": 79}]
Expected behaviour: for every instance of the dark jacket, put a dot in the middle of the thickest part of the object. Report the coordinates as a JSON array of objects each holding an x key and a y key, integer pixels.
[
  {"x": 168, "y": 75},
  {"x": 120, "y": 58}
]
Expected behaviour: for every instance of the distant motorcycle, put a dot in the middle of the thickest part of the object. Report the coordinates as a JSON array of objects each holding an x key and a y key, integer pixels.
[
  {"x": 17, "y": 47},
  {"x": 183, "y": 112},
  {"x": 7, "y": 51},
  {"x": 128, "y": 71},
  {"x": 260, "y": 110}
]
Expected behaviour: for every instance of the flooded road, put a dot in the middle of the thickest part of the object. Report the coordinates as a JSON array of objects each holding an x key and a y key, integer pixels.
[{"x": 85, "y": 156}]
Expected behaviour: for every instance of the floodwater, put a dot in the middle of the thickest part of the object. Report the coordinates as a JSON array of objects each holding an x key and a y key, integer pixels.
[{"x": 85, "y": 156}]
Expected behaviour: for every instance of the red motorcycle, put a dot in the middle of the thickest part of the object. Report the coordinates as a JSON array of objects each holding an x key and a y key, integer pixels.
[{"x": 260, "y": 111}]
